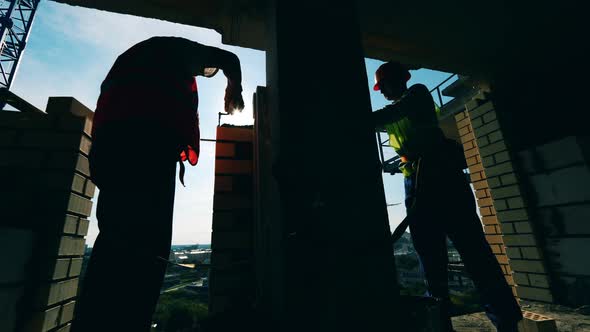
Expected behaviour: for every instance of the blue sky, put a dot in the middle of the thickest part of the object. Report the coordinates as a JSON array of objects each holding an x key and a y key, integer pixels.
[{"x": 71, "y": 49}]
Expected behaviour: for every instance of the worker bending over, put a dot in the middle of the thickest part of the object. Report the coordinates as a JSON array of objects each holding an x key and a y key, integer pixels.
[{"x": 146, "y": 121}]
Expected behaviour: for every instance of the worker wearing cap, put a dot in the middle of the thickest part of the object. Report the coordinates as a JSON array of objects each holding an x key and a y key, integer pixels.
[
  {"x": 439, "y": 200},
  {"x": 145, "y": 122}
]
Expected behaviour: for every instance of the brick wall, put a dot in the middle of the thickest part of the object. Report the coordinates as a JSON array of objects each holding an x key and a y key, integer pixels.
[
  {"x": 232, "y": 281},
  {"x": 499, "y": 190},
  {"x": 556, "y": 178},
  {"x": 479, "y": 179},
  {"x": 45, "y": 200}
]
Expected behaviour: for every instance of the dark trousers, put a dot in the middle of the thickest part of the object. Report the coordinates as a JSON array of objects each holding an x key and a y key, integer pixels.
[
  {"x": 133, "y": 165},
  {"x": 445, "y": 206}
]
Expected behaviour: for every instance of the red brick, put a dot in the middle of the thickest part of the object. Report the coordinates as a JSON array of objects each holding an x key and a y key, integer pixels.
[
  {"x": 235, "y": 134},
  {"x": 231, "y": 201},
  {"x": 481, "y": 194},
  {"x": 486, "y": 211},
  {"x": 463, "y": 123},
  {"x": 505, "y": 270},
  {"x": 510, "y": 280},
  {"x": 472, "y": 161},
  {"x": 223, "y": 183},
  {"x": 494, "y": 239},
  {"x": 460, "y": 116},
  {"x": 478, "y": 167},
  {"x": 231, "y": 240},
  {"x": 535, "y": 322},
  {"x": 468, "y": 145},
  {"x": 483, "y": 202},
  {"x": 489, "y": 220},
  {"x": 502, "y": 259},
  {"x": 475, "y": 176},
  {"x": 233, "y": 166},
  {"x": 467, "y": 137},
  {"x": 225, "y": 150},
  {"x": 465, "y": 130},
  {"x": 483, "y": 184},
  {"x": 496, "y": 248},
  {"x": 471, "y": 152},
  {"x": 489, "y": 229}
]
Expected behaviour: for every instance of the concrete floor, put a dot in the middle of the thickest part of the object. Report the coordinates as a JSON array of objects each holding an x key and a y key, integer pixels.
[{"x": 567, "y": 319}]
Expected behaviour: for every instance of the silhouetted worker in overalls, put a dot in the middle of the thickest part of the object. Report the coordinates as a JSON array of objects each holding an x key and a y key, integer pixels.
[
  {"x": 439, "y": 200},
  {"x": 146, "y": 120}
]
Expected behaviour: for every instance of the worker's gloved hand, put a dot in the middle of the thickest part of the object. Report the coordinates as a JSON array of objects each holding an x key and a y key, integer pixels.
[{"x": 233, "y": 98}]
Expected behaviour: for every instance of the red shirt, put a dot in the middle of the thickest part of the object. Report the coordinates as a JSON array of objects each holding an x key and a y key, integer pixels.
[
  {"x": 155, "y": 79},
  {"x": 172, "y": 104}
]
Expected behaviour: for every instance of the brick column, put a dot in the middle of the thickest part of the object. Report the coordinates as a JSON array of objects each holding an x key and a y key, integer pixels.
[
  {"x": 506, "y": 219},
  {"x": 45, "y": 199},
  {"x": 232, "y": 282},
  {"x": 492, "y": 228}
]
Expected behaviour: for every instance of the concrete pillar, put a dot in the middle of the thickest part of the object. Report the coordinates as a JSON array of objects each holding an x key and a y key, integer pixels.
[
  {"x": 332, "y": 230},
  {"x": 45, "y": 200}
]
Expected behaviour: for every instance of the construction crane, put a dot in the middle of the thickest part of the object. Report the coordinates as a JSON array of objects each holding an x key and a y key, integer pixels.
[{"x": 16, "y": 19}]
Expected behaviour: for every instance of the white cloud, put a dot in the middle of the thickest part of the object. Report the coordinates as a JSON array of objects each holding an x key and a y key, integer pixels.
[{"x": 113, "y": 31}]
